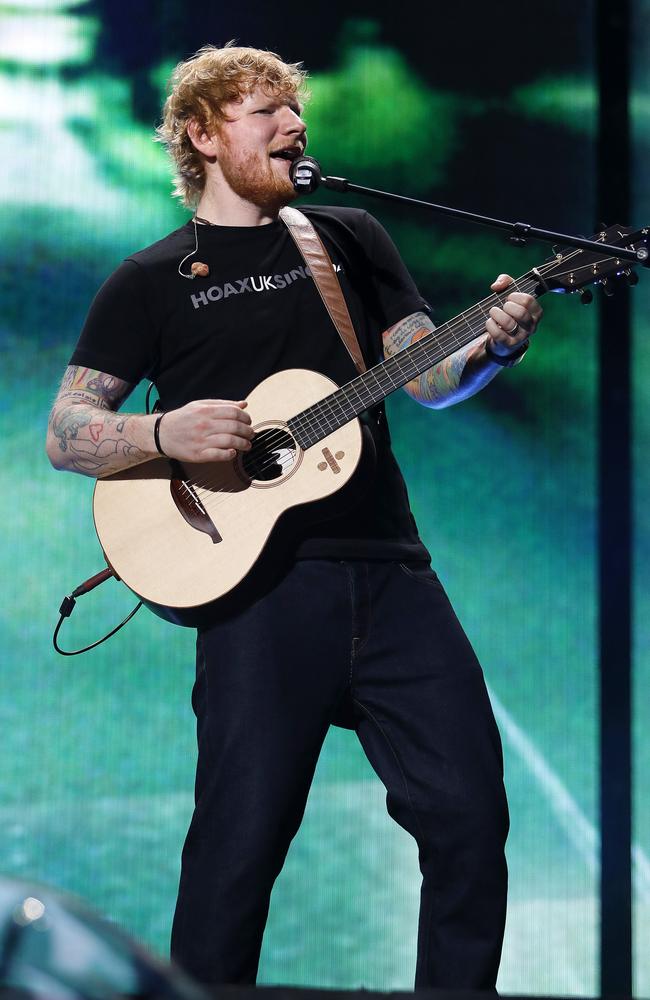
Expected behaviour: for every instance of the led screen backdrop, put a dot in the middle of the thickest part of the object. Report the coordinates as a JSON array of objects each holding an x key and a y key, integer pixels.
[{"x": 97, "y": 753}]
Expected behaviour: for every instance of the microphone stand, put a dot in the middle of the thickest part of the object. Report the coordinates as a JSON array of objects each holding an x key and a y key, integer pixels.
[{"x": 306, "y": 176}]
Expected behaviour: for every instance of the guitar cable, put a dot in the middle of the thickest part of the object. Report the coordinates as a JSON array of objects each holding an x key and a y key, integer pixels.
[{"x": 68, "y": 603}]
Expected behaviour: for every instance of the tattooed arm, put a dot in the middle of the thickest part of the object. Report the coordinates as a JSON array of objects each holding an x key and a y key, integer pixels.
[
  {"x": 86, "y": 435},
  {"x": 455, "y": 378},
  {"x": 469, "y": 369}
]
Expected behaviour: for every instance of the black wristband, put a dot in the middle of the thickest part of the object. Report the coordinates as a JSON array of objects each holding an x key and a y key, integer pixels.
[
  {"x": 156, "y": 435},
  {"x": 506, "y": 360}
]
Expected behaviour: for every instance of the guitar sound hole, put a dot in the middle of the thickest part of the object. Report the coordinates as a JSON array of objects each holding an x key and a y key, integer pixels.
[{"x": 272, "y": 455}]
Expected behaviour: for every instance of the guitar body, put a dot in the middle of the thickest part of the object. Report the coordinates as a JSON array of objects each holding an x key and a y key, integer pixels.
[{"x": 183, "y": 536}]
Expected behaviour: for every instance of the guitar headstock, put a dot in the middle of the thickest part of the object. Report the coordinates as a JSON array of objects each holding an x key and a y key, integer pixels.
[{"x": 572, "y": 269}]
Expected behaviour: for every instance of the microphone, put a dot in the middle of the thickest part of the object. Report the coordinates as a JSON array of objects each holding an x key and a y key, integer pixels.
[{"x": 305, "y": 174}]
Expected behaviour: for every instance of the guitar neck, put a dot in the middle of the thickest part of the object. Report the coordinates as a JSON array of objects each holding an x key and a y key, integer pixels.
[{"x": 365, "y": 391}]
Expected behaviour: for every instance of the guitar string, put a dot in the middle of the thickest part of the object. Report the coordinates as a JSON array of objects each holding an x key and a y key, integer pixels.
[
  {"x": 432, "y": 341},
  {"x": 449, "y": 329},
  {"x": 437, "y": 339},
  {"x": 445, "y": 338},
  {"x": 441, "y": 339},
  {"x": 276, "y": 439},
  {"x": 423, "y": 346},
  {"x": 393, "y": 363},
  {"x": 319, "y": 409}
]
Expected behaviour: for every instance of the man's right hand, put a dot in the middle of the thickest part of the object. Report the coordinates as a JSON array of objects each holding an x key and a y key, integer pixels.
[{"x": 206, "y": 430}]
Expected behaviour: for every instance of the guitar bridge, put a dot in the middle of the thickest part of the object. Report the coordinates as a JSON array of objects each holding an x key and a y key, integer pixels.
[{"x": 189, "y": 504}]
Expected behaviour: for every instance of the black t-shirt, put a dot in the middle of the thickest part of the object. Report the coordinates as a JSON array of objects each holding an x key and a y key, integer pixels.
[{"x": 258, "y": 312}]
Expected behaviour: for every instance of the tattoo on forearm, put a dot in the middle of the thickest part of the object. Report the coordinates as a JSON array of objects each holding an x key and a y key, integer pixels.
[
  {"x": 95, "y": 443},
  {"x": 100, "y": 459},
  {"x": 444, "y": 378},
  {"x": 440, "y": 384},
  {"x": 94, "y": 439},
  {"x": 436, "y": 383},
  {"x": 407, "y": 332},
  {"x": 66, "y": 424}
]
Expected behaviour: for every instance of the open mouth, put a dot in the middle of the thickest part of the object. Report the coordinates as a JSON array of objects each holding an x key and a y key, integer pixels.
[{"x": 291, "y": 154}]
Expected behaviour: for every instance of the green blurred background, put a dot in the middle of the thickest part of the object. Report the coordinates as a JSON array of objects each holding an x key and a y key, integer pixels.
[{"x": 464, "y": 105}]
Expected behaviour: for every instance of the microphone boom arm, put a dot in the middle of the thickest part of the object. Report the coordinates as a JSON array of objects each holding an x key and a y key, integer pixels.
[{"x": 306, "y": 176}]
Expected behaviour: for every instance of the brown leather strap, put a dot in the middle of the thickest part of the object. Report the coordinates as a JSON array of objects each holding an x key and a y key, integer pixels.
[{"x": 322, "y": 271}]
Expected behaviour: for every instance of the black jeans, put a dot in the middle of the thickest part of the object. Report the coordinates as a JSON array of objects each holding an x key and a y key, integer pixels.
[{"x": 378, "y": 643}]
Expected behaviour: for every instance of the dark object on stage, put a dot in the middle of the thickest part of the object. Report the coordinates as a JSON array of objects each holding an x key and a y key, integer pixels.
[{"x": 52, "y": 946}]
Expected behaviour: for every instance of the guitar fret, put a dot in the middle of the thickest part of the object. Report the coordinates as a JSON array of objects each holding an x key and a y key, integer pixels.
[{"x": 353, "y": 388}]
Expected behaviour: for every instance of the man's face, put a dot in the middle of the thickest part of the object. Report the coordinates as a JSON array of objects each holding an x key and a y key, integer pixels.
[{"x": 260, "y": 138}]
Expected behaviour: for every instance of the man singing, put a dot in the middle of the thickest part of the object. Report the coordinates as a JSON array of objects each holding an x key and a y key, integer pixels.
[{"x": 356, "y": 628}]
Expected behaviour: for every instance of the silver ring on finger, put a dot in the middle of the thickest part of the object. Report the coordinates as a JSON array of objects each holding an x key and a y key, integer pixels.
[{"x": 512, "y": 332}]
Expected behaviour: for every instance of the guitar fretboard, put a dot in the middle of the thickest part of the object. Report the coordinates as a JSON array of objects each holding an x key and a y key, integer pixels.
[{"x": 365, "y": 391}]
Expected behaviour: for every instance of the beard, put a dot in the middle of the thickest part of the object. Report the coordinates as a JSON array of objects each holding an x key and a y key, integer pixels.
[{"x": 253, "y": 178}]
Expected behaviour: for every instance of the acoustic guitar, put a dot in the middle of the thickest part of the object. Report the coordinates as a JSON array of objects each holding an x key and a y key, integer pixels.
[{"x": 182, "y": 535}]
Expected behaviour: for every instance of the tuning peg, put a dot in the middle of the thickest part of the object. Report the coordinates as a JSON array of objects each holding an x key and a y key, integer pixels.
[
  {"x": 586, "y": 296},
  {"x": 607, "y": 287},
  {"x": 631, "y": 277}
]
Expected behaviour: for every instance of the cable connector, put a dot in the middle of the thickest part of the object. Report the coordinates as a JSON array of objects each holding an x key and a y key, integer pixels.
[{"x": 67, "y": 606}]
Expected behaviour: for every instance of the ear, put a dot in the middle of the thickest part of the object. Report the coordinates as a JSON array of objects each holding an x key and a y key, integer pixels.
[{"x": 201, "y": 140}]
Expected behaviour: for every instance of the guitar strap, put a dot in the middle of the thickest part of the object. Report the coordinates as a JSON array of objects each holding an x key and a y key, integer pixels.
[{"x": 322, "y": 270}]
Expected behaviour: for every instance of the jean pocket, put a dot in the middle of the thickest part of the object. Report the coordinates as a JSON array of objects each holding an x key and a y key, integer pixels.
[{"x": 420, "y": 571}]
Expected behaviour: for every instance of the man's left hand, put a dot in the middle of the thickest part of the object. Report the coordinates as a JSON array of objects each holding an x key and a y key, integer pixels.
[{"x": 517, "y": 321}]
